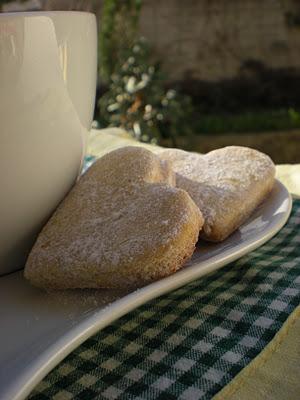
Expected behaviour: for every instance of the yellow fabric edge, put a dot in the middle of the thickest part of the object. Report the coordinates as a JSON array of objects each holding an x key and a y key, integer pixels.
[{"x": 286, "y": 336}]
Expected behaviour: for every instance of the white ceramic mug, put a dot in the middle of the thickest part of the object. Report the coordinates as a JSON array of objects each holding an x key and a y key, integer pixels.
[{"x": 48, "y": 67}]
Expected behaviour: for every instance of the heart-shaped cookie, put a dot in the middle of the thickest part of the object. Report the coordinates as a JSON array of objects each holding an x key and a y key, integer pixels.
[
  {"x": 227, "y": 185},
  {"x": 124, "y": 224}
]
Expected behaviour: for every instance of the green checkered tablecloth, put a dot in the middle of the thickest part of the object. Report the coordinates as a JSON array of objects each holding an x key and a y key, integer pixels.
[{"x": 190, "y": 343}]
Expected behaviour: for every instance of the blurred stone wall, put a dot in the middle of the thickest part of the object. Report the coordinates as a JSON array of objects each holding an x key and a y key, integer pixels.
[{"x": 213, "y": 39}]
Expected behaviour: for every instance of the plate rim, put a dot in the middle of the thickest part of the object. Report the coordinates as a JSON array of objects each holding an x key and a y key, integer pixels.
[{"x": 92, "y": 324}]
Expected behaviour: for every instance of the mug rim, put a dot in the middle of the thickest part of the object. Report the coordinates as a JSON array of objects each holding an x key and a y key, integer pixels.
[{"x": 43, "y": 13}]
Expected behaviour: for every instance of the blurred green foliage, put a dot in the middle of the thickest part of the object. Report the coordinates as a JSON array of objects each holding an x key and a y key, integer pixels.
[
  {"x": 136, "y": 99},
  {"x": 250, "y": 121},
  {"x": 118, "y": 30},
  {"x": 138, "y": 102}
]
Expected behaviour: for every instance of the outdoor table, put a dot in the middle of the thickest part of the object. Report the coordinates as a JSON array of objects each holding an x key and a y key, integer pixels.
[{"x": 234, "y": 334}]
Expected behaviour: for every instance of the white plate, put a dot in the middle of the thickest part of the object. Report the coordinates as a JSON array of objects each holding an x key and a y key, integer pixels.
[{"x": 39, "y": 329}]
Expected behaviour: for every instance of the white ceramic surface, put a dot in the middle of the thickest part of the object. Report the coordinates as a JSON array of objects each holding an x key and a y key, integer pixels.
[
  {"x": 39, "y": 329},
  {"x": 48, "y": 65}
]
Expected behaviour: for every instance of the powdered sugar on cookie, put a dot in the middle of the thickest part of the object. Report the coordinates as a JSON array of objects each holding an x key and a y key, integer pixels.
[
  {"x": 111, "y": 229},
  {"x": 221, "y": 181}
]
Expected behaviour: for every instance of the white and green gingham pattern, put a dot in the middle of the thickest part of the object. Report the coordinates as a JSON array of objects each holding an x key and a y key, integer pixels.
[{"x": 188, "y": 344}]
